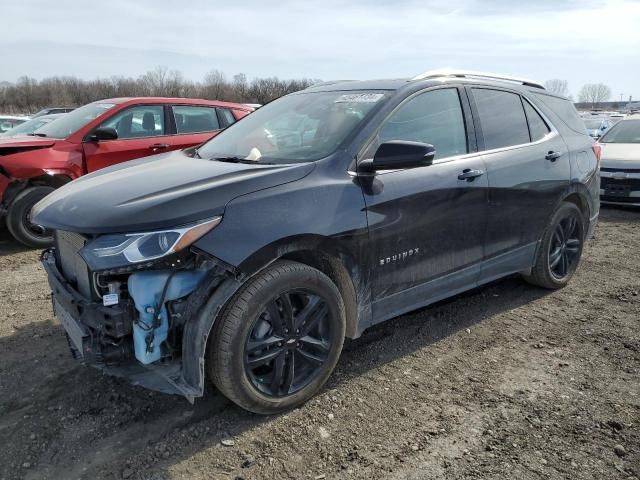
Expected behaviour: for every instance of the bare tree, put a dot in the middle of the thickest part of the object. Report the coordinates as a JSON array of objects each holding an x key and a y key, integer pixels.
[
  {"x": 28, "y": 94},
  {"x": 556, "y": 85},
  {"x": 214, "y": 85},
  {"x": 594, "y": 93}
]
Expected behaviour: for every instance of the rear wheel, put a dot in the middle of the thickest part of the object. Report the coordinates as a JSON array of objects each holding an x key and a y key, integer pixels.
[
  {"x": 279, "y": 338},
  {"x": 19, "y": 218},
  {"x": 560, "y": 249}
]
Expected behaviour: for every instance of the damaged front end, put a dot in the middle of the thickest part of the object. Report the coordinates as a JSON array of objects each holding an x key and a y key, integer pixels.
[{"x": 125, "y": 306}]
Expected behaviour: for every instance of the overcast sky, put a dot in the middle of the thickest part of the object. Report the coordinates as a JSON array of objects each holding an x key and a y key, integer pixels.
[{"x": 582, "y": 41}]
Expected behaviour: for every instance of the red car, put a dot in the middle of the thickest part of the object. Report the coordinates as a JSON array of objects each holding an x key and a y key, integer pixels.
[{"x": 95, "y": 136}]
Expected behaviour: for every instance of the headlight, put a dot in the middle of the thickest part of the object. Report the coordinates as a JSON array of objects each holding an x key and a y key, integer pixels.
[{"x": 118, "y": 250}]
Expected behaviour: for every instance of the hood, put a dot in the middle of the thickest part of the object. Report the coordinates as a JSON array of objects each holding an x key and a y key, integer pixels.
[
  {"x": 156, "y": 192},
  {"x": 27, "y": 141},
  {"x": 620, "y": 155}
]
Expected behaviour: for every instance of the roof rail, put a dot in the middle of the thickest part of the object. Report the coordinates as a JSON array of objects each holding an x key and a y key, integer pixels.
[{"x": 472, "y": 74}]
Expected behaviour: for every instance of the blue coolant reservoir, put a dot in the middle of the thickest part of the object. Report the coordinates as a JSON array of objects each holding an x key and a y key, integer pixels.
[{"x": 146, "y": 289}]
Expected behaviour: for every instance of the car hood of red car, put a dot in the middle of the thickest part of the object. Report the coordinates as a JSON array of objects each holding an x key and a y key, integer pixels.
[
  {"x": 162, "y": 191},
  {"x": 26, "y": 141}
]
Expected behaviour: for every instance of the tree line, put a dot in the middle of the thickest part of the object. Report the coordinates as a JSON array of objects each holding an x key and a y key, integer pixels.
[
  {"x": 593, "y": 93},
  {"x": 29, "y": 94}
]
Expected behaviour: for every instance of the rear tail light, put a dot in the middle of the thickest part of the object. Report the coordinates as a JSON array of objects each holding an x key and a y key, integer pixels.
[{"x": 597, "y": 150}]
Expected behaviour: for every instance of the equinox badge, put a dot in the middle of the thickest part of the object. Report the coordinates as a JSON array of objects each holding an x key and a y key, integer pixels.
[{"x": 399, "y": 256}]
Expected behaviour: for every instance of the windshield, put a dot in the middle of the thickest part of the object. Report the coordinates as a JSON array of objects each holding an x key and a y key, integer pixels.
[
  {"x": 301, "y": 127},
  {"x": 27, "y": 127},
  {"x": 627, "y": 131},
  {"x": 73, "y": 121},
  {"x": 593, "y": 124}
]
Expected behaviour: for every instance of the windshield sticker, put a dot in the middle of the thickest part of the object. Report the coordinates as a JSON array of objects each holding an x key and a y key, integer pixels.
[{"x": 359, "y": 98}]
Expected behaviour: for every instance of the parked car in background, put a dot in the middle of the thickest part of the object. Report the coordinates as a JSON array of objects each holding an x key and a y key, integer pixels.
[
  {"x": 7, "y": 122},
  {"x": 30, "y": 126},
  {"x": 596, "y": 127},
  {"x": 249, "y": 259},
  {"x": 52, "y": 110},
  {"x": 95, "y": 136},
  {"x": 620, "y": 164}
]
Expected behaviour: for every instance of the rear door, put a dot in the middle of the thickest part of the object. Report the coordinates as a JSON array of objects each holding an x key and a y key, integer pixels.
[
  {"x": 142, "y": 131},
  {"x": 195, "y": 124},
  {"x": 528, "y": 171},
  {"x": 426, "y": 223}
]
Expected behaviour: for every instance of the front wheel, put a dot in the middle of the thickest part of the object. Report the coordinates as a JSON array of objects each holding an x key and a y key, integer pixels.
[
  {"x": 279, "y": 338},
  {"x": 560, "y": 250},
  {"x": 19, "y": 218}
]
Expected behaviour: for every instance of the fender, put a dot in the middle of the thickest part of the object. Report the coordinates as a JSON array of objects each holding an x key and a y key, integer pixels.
[
  {"x": 198, "y": 329},
  {"x": 208, "y": 301}
]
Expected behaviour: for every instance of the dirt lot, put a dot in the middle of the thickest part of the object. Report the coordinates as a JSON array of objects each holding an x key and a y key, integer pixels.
[{"x": 508, "y": 381}]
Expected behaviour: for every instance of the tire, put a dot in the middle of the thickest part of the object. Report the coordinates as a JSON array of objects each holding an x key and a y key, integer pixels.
[
  {"x": 254, "y": 321},
  {"x": 18, "y": 218},
  {"x": 562, "y": 241}
]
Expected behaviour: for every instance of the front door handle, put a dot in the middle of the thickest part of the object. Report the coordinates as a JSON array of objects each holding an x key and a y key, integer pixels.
[
  {"x": 469, "y": 174},
  {"x": 157, "y": 146},
  {"x": 553, "y": 156}
]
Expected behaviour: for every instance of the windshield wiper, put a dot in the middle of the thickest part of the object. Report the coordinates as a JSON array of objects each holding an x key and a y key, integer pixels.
[
  {"x": 34, "y": 134},
  {"x": 232, "y": 159}
]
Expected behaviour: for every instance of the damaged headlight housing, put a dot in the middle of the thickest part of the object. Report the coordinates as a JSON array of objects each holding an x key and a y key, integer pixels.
[{"x": 122, "y": 249}]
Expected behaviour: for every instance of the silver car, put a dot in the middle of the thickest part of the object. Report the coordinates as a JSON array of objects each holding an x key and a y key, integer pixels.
[{"x": 620, "y": 163}]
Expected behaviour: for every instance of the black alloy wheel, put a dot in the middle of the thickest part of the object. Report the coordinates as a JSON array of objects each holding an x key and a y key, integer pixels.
[
  {"x": 560, "y": 248},
  {"x": 564, "y": 247},
  {"x": 278, "y": 338},
  {"x": 289, "y": 343}
]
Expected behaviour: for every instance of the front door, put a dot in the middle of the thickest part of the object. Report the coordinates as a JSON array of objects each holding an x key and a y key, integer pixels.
[
  {"x": 426, "y": 225},
  {"x": 141, "y": 132}
]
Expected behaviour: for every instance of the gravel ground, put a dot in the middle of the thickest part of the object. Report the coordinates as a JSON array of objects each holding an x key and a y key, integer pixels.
[{"x": 508, "y": 381}]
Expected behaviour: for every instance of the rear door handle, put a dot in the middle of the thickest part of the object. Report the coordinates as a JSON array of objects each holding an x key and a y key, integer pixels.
[
  {"x": 156, "y": 146},
  {"x": 469, "y": 175},
  {"x": 553, "y": 156}
]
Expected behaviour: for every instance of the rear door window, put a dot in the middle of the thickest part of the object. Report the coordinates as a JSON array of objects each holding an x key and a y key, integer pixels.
[
  {"x": 537, "y": 126},
  {"x": 502, "y": 118},
  {"x": 138, "y": 122},
  {"x": 195, "y": 119}
]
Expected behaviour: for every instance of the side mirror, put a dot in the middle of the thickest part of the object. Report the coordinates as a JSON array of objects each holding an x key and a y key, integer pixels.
[
  {"x": 103, "y": 133},
  {"x": 399, "y": 154}
]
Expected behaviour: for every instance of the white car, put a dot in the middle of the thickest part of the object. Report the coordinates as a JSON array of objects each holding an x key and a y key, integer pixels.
[
  {"x": 620, "y": 163},
  {"x": 30, "y": 126},
  {"x": 8, "y": 121}
]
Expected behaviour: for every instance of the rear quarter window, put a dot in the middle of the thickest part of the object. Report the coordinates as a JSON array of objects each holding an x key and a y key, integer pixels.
[{"x": 564, "y": 109}]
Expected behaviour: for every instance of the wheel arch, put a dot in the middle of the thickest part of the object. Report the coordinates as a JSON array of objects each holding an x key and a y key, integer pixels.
[
  {"x": 16, "y": 187},
  {"x": 579, "y": 196},
  {"x": 322, "y": 253}
]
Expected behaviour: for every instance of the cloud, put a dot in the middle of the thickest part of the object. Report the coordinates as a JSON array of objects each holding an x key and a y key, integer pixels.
[{"x": 581, "y": 41}]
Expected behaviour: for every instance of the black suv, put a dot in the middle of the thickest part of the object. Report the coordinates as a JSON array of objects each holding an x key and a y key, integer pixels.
[{"x": 249, "y": 259}]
